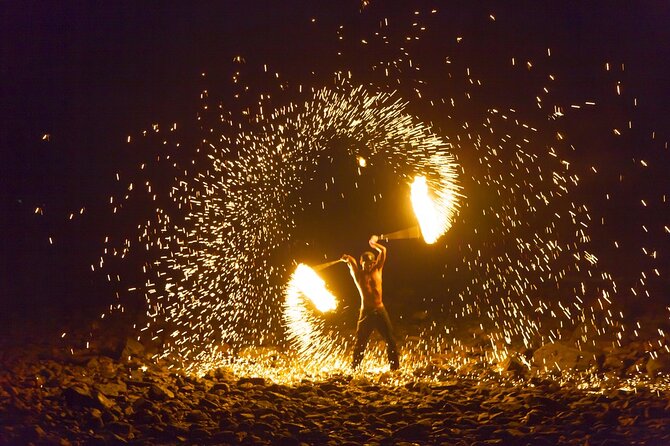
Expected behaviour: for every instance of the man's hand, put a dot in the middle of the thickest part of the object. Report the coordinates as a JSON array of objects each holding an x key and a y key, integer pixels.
[
  {"x": 382, "y": 251},
  {"x": 350, "y": 261},
  {"x": 374, "y": 243}
]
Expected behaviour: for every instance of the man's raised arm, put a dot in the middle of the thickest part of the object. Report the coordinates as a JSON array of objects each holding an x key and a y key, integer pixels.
[{"x": 381, "y": 258}]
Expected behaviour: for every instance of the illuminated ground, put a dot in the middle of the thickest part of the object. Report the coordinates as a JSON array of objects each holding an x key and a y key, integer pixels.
[{"x": 53, "y": 395}]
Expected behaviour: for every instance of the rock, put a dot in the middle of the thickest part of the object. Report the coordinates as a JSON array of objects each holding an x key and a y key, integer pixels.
[
  {"x": 617, "y": 364},
  {"x": 147, "y": 417},
  {"x": 37, "y": 433},
  {"x": 255, "y": 381},
  {"x": 546, "y": 403},
  {"x": 329, "y": 387},
  {"x": 220, "y": 388},
  {"x": 657, "y": 364},
  {"x": 420, "y": 387},
  {"x": 248, "y": 416},
  {"x": 178, "y": 429},
  {"x": 132, "y": 348},
  {"x": 557, "y": 356},
  {"x": 160, "y": 392},
  {"x": 196, "y": 416},
  {"x": 261, "y": 428},
  {"x": 293, "y": 427},
  {"x": 111, "y": 346},
  {"x": 140, "y": 404},
  {"x": 223, "y": 373},
  {"x": 167, "y": 416},
  {"x": 207, "y": 404},
  {"x": 93, "y": 363},
  {"x": 79, "y": 395},
  {"x": 226, "y": 437},
  {"x": 413, "y": 431},
  {"x": 120, "y": 428},
  {"x": 47, "y": 374},
  {"x": 513, "y": 366},
  {"x": 137, "y": 380},
  {"x": 95, "y": 419},
  {"x": 198, "y": 432},
  {"x": 227, "y": 423},
  {"x": 104, "y": 401},
  {"x": 157, "y": 406},
  {"x": 111, "y": 389}
]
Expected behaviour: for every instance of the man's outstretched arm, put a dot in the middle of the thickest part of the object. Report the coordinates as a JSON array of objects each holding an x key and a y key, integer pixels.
[{"x": 381, "y": 258}]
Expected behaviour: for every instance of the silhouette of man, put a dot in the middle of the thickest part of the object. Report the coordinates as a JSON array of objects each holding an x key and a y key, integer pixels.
[{"x": 373, "y": 315}]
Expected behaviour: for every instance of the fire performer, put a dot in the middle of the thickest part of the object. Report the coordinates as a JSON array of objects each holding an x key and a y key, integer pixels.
[{"x": 373, "y": 315}]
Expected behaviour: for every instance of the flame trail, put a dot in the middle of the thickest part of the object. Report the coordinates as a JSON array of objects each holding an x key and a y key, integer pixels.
[
  {"x": 426, "y": 213},
  {"x": 303, "y": 328},
  {"x": 435, "y": 215},
  {"x": 307, "y": 282}
]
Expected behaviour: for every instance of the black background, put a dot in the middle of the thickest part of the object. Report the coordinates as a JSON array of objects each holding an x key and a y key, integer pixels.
[{"x": 91, "y": 73}]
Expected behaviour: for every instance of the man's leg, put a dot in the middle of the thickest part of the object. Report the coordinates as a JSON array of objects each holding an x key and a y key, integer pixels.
[
  {"x": 386, "y": 330},
  {"x": 363, "y": 331}
]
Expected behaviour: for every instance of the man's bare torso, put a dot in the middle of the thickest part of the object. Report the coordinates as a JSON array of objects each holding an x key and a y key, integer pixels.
[{"x": 369, "y": 285}]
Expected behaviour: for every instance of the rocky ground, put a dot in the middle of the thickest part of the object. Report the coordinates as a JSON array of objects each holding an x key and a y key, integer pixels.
[{"x": 48, "y": 396}]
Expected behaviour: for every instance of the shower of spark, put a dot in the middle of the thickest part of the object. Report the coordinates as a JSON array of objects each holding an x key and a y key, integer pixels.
[
  {"x": 218, "y": 272},
  {"x": 528, "y": 270}
]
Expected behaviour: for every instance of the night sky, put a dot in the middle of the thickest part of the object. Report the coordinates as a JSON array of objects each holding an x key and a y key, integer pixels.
[{"x": 88, "y": 74}]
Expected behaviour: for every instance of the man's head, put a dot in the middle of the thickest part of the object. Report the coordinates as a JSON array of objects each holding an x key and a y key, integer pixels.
[{"x": 367, "y": 260}]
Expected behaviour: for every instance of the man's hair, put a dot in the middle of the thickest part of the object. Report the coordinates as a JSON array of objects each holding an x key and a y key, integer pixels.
[{"x": 367, "y": 255}]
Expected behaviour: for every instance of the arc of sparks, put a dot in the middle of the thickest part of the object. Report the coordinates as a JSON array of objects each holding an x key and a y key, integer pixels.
[
  {"x": 303, "y": 328},
  {"x": 227, "y": 238}
]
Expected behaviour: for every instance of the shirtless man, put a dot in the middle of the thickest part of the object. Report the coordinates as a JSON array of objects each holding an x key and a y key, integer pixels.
[{"x": 373, "y": 315}]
